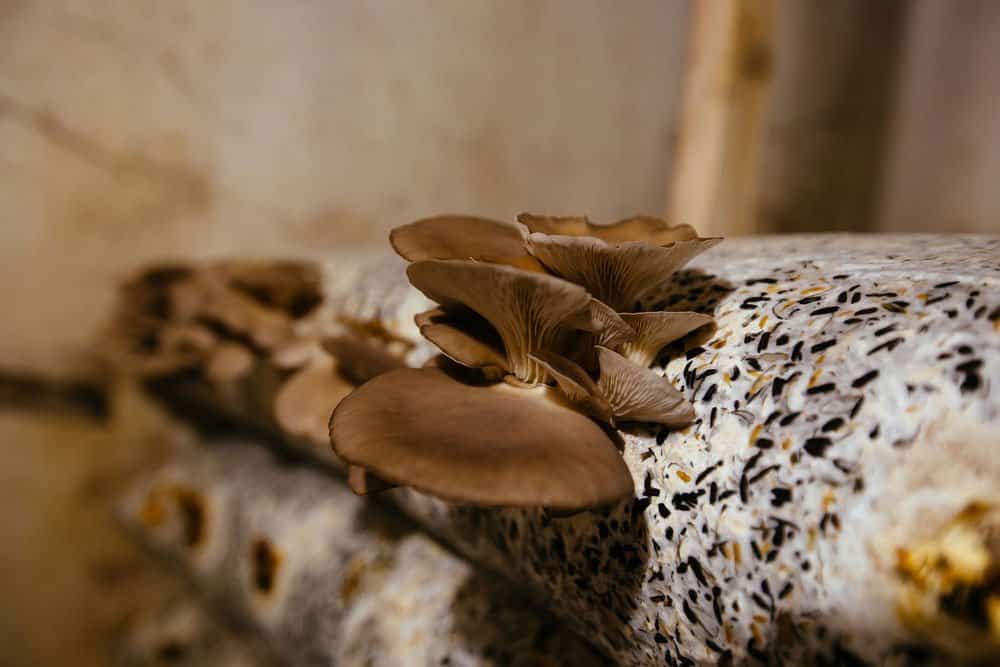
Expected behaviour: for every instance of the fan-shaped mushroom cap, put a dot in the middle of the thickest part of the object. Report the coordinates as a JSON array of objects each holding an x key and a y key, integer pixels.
[
  {"x": 622, "y": 275},
  {"x": 289, "y": 286},
  {"x": 530, "y": 311},
  {"x": 463, "y": 237},
  {"x": 613, "y": 330},
  {"x": 360, "y": 360},
  {"x": 303, "y": 405},
  {"x": 653, "y": 331},
  {"x": 638, "y": 228},
  {"x": 638, "y": 394},
  {"x": 579, "y": 388},
  {"x": 466, "y": 338},
  {"x": 487, "y": 445},
  {"x": 208, "y": 298}
]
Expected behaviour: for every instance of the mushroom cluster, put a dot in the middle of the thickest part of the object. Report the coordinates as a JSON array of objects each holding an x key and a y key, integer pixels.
[
  {"x": 236, "y": 325},
  {"x": 546, "y": 343},
  {"x": 217, "y": 318}
]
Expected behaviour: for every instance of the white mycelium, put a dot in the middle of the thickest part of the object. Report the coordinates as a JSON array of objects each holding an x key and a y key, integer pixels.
[{"x": 324, "y": 579}]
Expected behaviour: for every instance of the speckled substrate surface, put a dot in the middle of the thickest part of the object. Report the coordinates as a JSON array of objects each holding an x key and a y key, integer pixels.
[
  {"x": 320, "y": 575},
  {"x": 847, "y": 408},
  {"x": 844, "y": 404}
]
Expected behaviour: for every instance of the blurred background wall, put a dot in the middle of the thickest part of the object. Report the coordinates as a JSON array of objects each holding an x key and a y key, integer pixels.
[{"x": 132, "y": 130}]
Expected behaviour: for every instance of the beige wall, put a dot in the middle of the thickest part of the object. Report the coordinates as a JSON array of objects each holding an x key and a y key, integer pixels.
[
  {"x": 944, "y": 162},
  {"x": 136, "y": 129}
]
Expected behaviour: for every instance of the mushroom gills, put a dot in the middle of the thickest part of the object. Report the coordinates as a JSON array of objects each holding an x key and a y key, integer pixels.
[
  {"x": 639, "y": 394},
  {"x": 624, "y": 275},
  {"x": 530, "y": 312},
  {"x": 654, "y": 331},
  {"x": 466, "y": 338}
]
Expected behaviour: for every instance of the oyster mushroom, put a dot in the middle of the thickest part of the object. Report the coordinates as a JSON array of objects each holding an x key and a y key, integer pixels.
[
  {"x": 153, "y": 349},
  {"x": 288, "y": 286},
  {"x": 487, "y": 445},
  {"x": 623, "y": 391},
  {"x": 576, "y": 385},
  {"x": 464, "y": 237},
  {"x": 531, "y": 312},
  {"x": 638, "y": 394},
  {"x": 467, "y": 438},
  {"x": 623, "y": 275},
  {"x": 637, "y": 228},
  {"x": 466, "y": 338},
  {"x": 655, "y": 330},
  {"x": 360, "y": 360},
  {"x": 614, "y": 330},
  {"x": 303, "y": 405}
]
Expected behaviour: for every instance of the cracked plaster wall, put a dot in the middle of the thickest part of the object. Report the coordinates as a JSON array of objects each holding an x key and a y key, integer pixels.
[{"x": 136, "y": 130}]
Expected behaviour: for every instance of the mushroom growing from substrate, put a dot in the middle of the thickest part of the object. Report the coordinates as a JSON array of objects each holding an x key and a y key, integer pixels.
[
  {"x": 543, "y": 319},
  {"x": 216, "y": 319}
]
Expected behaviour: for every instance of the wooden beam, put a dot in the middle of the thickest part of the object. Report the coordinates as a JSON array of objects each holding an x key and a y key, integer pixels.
[{"x": 715, "y": 176}]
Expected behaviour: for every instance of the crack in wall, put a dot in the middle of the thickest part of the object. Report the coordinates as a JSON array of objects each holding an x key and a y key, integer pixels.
[
  {"x": 54, "y": 130},
  {"x": 175, "y": 186}
]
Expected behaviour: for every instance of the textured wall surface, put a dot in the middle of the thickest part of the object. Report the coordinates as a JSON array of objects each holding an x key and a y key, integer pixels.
[
  {"x": 945, "y": 153},
  {"x": 133, "y": 130}
]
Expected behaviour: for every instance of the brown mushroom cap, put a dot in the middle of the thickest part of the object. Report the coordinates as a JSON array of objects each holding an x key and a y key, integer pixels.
[
  {"x": 531, "y": 312},
  {"x": 290, "y": 286},
  {"x": 487, "y": 445},
  {"x": 465, "y": 337},
  {"x": 614, "y": 331},
  {"x": 654, "y": 231},
  {"x": 653, "y": 331},
  {"x": 622, "y": 275},
  {"x": 208, "y": 298},
  {"x": 303, "y": 405},
  {"x": 359, "y": 360},
  {"x": 636, "y": 393},
  {"x": 463, "y": 237},
  {"x": 576, "y": 385}
]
